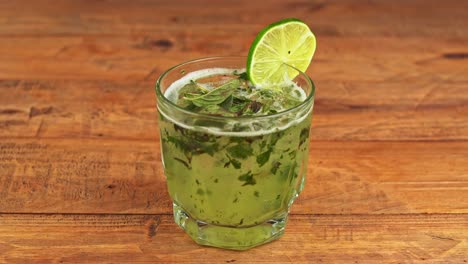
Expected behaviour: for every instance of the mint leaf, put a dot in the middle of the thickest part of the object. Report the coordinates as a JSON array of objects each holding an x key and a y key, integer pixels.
[
  {"x": 264, "y": 157},
  {"x": 186, "y": 164},
  {"x": 247, "y": 178},
  {"x": 238, "y": 105},
  {"x": 292, "y": 154},
  {"x": 304, "y": 136},
  {"x": 190, "y": 88},
  {"x": 210, "y": 109},
  {"x": 275, "y": 167},
  {"x": 215, "y": 96},
  {"x": 240, "y": 151},
  {"x": 235, "y": 163},
  {"x": 192, "y": 142},
  {"x": 242, "y": 76},
  {"x": 227, "y": 104}
]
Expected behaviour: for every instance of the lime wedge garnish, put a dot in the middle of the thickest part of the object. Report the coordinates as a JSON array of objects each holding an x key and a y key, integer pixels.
[{"x": 288, "y": 42}]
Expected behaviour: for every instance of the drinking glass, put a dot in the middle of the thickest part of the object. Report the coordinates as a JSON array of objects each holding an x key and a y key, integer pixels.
[{"x": 232, "y": 179}]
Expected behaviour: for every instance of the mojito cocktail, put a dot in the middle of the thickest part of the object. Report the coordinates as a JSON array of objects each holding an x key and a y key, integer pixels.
[
  {"x": 235, "y": 155},
  {"x": 235, "y": 137}
]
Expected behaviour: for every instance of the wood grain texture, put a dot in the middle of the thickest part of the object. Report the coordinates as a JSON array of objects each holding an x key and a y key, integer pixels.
[
  {"x": 80, "y": 173},
  {"x": 124, "y": 176},
  {"x": 308, "y": 239},
  {"x": 144, "y": 57},
  {"x": 350, "y": 17},
  {"x": 370, "y": 40},
  {"x": 363, "y": 111}
]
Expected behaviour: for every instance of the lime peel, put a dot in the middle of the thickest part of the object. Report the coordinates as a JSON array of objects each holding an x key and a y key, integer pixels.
[{"x": 280, "y": 51}]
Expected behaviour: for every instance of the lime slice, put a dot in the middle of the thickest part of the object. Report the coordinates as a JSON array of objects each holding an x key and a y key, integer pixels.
[{"x": 288, "y": 42}]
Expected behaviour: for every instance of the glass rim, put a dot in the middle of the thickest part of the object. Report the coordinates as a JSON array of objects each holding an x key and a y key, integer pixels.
[{"x": 159, "y": 94}]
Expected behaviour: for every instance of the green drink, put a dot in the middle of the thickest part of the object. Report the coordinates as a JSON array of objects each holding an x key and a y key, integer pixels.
[{"x": 234, "y": 154}]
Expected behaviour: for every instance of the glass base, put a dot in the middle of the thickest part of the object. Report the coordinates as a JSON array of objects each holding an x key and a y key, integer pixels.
[{"x": 235, "y": 238}]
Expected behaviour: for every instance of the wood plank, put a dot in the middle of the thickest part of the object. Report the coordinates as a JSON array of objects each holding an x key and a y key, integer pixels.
[
  {"x": 347, "y": 18},
  {"x": 83, "y": 109},
  {"x": 82, "y": 176},
  {"x": 145, "y": 56},
  {"x": 348, "y": 110},
  {"x": 308, "y": 239},
  {"x": 386, "y": 177},
  {"x": 123, "y": 176}
]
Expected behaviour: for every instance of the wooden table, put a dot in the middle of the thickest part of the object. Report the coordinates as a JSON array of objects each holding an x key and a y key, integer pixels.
[{"x": 80, "y": 169}]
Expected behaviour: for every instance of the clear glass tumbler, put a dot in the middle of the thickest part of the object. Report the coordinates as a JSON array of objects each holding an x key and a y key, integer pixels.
[{"x": 232, "y": 179}]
